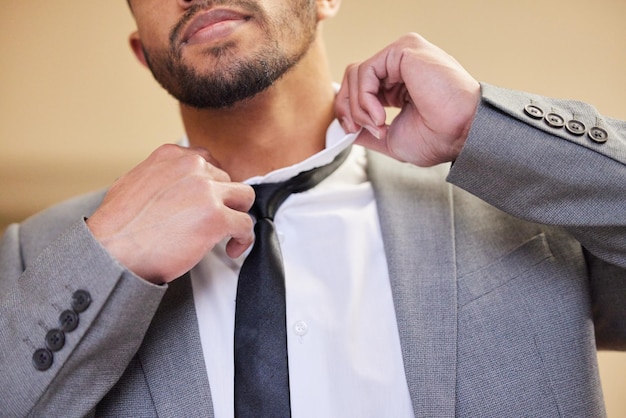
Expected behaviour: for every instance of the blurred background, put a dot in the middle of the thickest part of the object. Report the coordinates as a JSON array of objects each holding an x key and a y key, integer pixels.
[{"x": 77, "y": 111}]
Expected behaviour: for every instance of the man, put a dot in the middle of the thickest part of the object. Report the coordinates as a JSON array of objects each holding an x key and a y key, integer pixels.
[{"x": 405, "y": 294}]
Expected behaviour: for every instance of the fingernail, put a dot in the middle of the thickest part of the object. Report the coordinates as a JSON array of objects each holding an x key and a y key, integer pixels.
[
  {"x": 375, "y": 132},
  {"x": 345, "y": 125}
]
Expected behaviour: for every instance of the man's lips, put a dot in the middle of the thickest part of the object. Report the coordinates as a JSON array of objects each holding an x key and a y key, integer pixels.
[{"x": 210, "y": 23}]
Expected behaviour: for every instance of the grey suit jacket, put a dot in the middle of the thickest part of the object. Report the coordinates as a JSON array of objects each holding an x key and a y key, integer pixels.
[{"x": 499, "y": 300}]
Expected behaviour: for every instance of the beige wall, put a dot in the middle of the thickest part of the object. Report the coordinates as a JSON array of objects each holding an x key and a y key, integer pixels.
[{"x": 77, "y": 111}]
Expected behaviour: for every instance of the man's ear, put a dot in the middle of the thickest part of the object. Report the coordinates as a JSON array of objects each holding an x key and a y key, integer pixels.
[
  {"x": 327, "y": 8},
  {"x": 137, "y": 47}
]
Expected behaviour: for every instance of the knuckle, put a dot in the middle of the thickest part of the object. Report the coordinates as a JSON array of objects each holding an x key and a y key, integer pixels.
[
  {"x": 352, "y": 66},
  {"x": 218, "y": 174},
  {"x": 166, "y": 151},
  {"x": 412, "y": 38},
  {"x": 250, "y": 195},
  {"x": 208, "y": 188},
  {"x": 194, "y": 162},
  {"x": 248, "y": 223}
]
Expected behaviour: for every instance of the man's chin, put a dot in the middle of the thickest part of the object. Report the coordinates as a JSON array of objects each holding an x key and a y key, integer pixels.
[{"x": 218, "y": 98}]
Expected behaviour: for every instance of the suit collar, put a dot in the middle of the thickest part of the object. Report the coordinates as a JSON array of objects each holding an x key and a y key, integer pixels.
[{"x": 416, "y": 218}]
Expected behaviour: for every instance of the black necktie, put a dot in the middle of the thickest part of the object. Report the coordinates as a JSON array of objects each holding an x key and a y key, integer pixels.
[{"x": 261, "y": 369}]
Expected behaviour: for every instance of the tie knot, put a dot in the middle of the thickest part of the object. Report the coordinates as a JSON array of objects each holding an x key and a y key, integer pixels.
[{"x": 269, "y": 196}]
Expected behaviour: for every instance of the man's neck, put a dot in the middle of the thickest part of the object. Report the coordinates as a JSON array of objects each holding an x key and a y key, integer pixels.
[{"x": 279, "y": 127}]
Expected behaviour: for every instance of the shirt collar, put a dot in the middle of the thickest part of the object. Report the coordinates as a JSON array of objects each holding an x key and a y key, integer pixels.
[{"x": 336, "y": 141}]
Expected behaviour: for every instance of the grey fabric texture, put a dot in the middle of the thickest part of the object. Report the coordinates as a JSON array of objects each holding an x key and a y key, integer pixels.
[{"x": 497, "y": 276}]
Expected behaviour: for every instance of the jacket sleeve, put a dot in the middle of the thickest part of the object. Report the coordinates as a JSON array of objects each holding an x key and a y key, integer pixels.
[
  {"x": 557, "y": 162},
  {"x": 71, "y": 319}
]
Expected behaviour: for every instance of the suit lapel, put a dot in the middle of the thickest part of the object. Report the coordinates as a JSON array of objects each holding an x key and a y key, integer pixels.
[
  {"x": 415, "y": 212},
  {"x": 171, "y": 356}
]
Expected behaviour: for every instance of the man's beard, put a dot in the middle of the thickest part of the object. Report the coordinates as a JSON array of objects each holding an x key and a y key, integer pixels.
[
  {"x": 238, "y": 79},
  {"x": 242, "y": 80}
]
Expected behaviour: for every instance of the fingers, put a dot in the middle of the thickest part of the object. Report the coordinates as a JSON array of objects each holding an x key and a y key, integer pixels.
[
  {"x": 236, "y": 198},
  {"x": 206, "y": 155},
  {"x": 163, "y": 216},
  {"x": 358, "y": 104},
  {"x": 241, "y": 234},
  {"x": 239, "y": 198},
  {"x": 368, "y": 140},
  {"x": 437, "y": 99},
  {"x": 203, "y": 152},
  {"x": 191, "y": 158},
  {"x": 236, "y": 246},
  {"x": 380, "y": 81}
]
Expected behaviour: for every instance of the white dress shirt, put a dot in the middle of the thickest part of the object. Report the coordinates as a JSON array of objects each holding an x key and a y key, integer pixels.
[{"x": 343, "y": 344}]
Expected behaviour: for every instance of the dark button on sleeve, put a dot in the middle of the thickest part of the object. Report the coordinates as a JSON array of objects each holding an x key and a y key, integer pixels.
[
  {"x": 68, "y": 320},
  {"x": 42, "y": 359},
  {"x": 55, "y": 340},
  {"x": 81, "y": 299}
]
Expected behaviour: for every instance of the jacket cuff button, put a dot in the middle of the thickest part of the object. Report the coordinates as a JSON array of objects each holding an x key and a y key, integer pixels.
[
  {"x": 55, "y": 340},
  {"x": 42, "y": 359},
  {"x": 81, "y": 299},
  {"x": 68, "y": 320},
  {"x": 555, "y": 120},
  {"x": 576, "y": 127},
  {"x": 598, "y": 135},
  {"x": 533, "y": 111}
]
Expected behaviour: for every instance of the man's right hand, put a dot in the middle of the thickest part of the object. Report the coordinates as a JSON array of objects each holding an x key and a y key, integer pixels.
[{"x": 163, "y": 216}]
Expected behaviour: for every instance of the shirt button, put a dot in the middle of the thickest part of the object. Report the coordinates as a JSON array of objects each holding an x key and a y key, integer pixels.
[
  {"x": 81, "y": 299},
  {"x": 300, "y": 328},
  {"x": 68, "y": 320},
  {"x": 42, "y": 359}
]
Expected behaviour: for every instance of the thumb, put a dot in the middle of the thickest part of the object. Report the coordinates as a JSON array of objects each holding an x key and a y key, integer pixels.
[{"x": 366, "y": 139}]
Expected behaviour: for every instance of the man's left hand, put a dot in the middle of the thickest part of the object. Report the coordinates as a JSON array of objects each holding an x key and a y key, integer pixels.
[{"x": 437, "y": 97}]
